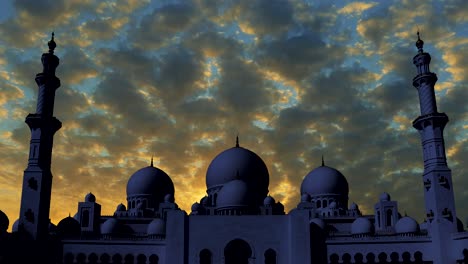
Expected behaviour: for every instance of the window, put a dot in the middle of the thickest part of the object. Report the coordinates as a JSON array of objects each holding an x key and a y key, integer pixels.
[
  {"x": 85, "y": 218},
  {"x": 141, "y": 259},
  {"x": 378, "y": 219},
  {"x": 154, "y": 259},
  {"x": 129, "y": 259},
  {"x": 389, "y": 217},
  {"x": 105, "y": 258},
  {"x": 68, "y": 259},
  {"x": 92, "y": 258}
]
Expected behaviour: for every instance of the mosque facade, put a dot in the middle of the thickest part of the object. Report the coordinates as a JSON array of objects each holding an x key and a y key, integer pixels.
[{"x": 237, "y": 222}]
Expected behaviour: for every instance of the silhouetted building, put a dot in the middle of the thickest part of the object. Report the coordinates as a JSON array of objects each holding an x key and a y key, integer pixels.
[{"x": 237, "y": 222}]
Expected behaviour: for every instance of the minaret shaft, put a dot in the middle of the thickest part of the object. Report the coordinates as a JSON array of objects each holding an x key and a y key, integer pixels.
[
  {"x": 37, "y": 179},
  {"x": 437, "y": 177}
]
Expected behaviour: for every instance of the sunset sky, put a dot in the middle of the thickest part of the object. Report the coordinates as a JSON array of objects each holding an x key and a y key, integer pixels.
[{"x": 180, "y": 79}]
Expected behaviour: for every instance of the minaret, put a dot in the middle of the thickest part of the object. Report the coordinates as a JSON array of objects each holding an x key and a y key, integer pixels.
[
  {"x": 37, "y": 179},
  {"x": 437, "y": 177}
]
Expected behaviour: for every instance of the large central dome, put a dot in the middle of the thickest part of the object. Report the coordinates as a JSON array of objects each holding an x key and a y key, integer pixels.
[{"x": 238, "y": 164}]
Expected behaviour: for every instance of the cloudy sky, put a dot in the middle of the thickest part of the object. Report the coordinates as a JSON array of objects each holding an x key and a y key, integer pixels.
[{"x": 179, "y": 79}]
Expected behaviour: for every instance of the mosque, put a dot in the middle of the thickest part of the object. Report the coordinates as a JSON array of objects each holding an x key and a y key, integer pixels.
[{"x": 237, "y": 222}]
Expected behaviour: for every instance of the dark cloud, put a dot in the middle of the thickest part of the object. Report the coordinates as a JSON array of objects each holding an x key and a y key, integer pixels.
[
  {"x": 177, "y": 73},
  {"x": 135, "y": 64},
  {"x": 266, "y": 16},
  {"x": 100, "y": 28},
  {"x": 75, "y": 66},
  {"x": 393, "y": 97},
  {"x": 157, "y": 29},
  {"x": 41, "y": 9},
  {"x": 121, "y": 97},
  {"x": 201, "y": 111},
  {"x": 213, "y": 44},
  {"x": 69, "y": 103},
  {"x": 455, "y": 11},
  {"x": 241, "y": 88},
  {"x": 297, "y": 57}
]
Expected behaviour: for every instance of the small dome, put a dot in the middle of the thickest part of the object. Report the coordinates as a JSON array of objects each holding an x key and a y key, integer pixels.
[
  {"x": 110, "y": 226},
  {"x": 362, "y": 225},
  {"x": 195, "y": 207},
  {"x": 238, "y": 164},
  {"x": 305, "y": 197},
  {"x": 169, "y": 198},
  {"x": 319, "y": 222},
  {"x": 69, "y": 226},
  {"x": 150, "y": 181},
  {"x": 234, "y": 194},
  {"x": 332, "y": 205},
  {"x": 354, "y": 206},
  {"x": 90, "y": 198},
  {"x": 384, "y": 197},
  {"x": 121, "y": 208},
  {"x": 156, "y": 227},
  {"x": 4, "y": 222},
  {"x": 268, "y": 200},
  {"x": 15, "y": 226},
  {"x": 325, "y": 180},
  {"x": 204, "y": 201},
  {"x": 406, "y": 225}
]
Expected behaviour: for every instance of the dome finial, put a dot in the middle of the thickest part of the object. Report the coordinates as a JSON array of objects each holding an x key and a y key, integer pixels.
[
  {"x": 323, "y": 162},
  {"x": 419, "y": 43},
  {"x": 151, "y": 164},
  {"x": 52, "y": 44},
  {"x": 237, "y": 140}
]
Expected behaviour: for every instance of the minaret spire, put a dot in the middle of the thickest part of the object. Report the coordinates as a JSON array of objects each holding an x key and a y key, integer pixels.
[
  {"x": 151, "y": 164},
  {"x": 437, "y": 177},
  {"x": 52, "y": 44},
  {"x": 37, "y": 179},
  {"x": 237, "y": 141},
  {"x": 419, "y": 44},
  {"x": 323, "y": 162}
]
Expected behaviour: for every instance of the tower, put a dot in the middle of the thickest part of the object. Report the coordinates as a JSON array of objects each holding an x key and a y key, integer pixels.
[
  {"x": 37, "y": 179},
  {"x": 437, "y": 177}
]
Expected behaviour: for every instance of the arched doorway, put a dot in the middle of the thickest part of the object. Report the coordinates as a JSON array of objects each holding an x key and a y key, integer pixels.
[
  {"x": 237, "y": 252},
  {"x": 270, "y": 256},
  {"x": 205, "y": 256}
]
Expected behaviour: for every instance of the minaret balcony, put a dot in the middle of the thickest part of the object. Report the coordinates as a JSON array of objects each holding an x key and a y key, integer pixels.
[
  {"x": 38, "y": 121},
  {"x": 428, "y": 77},
  {"x": 434, "y": 119}
]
